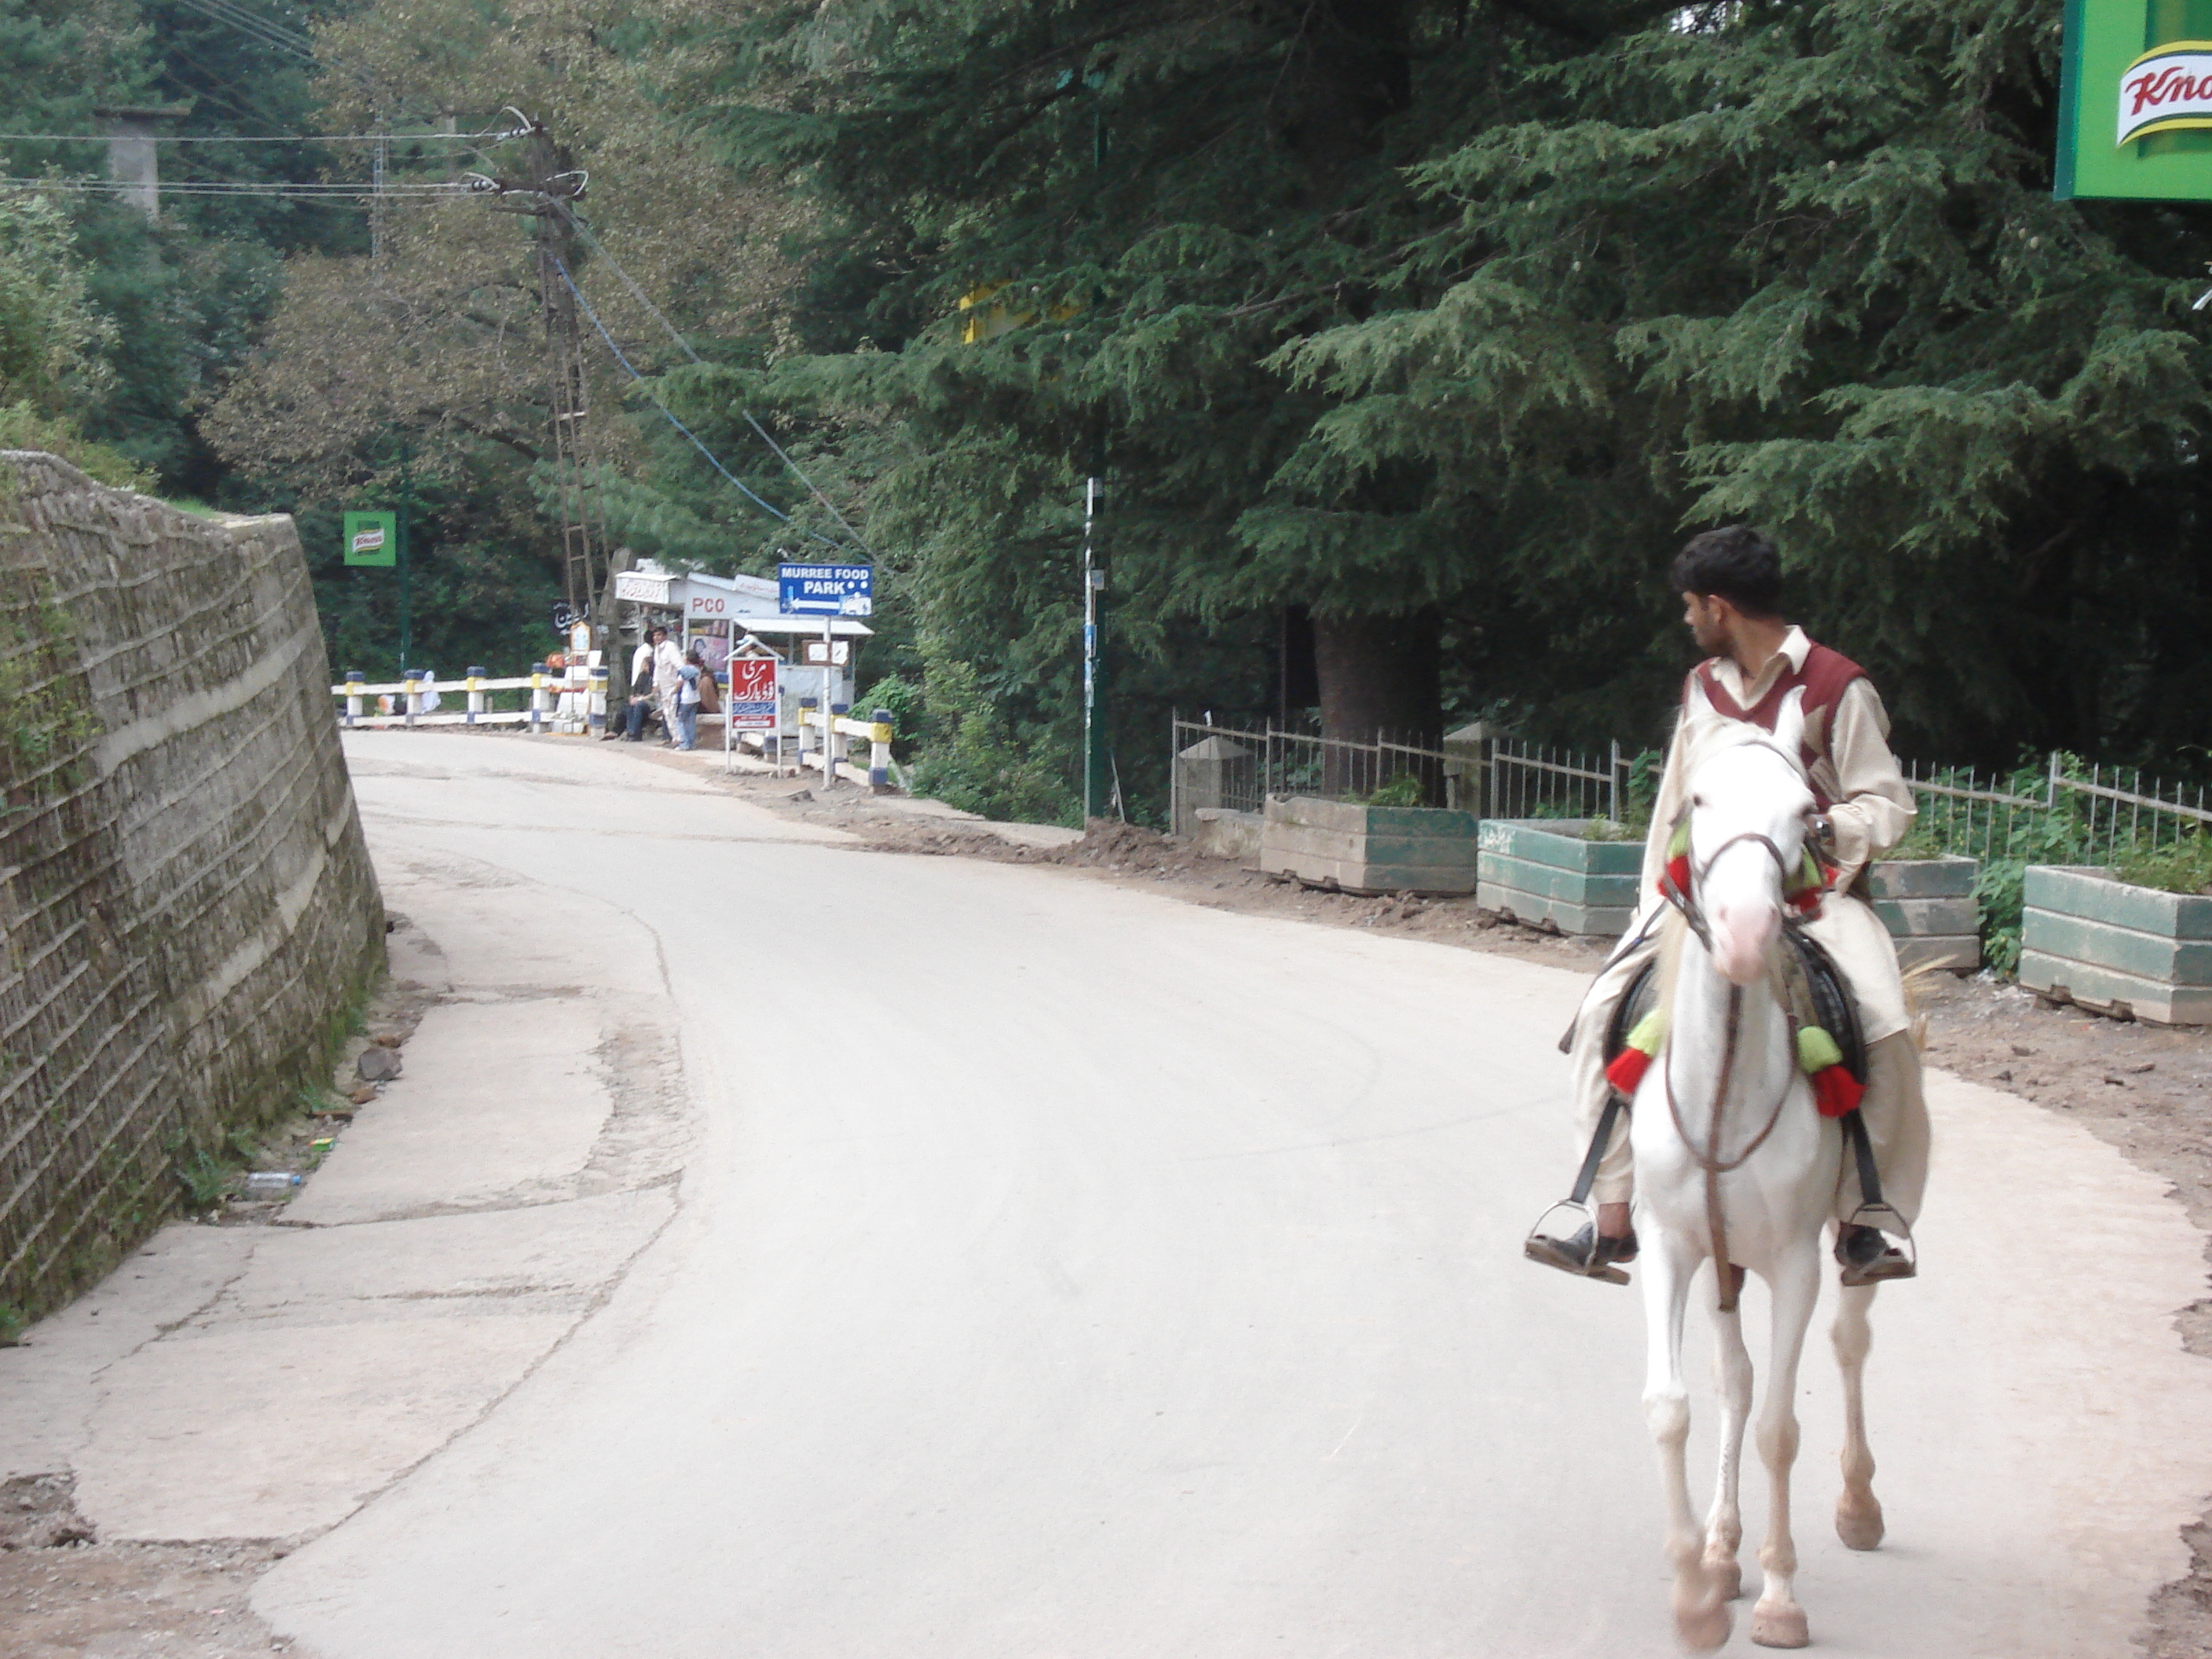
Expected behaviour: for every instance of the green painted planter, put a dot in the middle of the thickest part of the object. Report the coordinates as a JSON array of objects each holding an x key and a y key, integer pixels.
[
  {"x": 1541, "y": 870},
  {"x": 1369, "y": 850},
  {"x": 2117, "y": 948},
  {"x": 1930, "y": 910}
]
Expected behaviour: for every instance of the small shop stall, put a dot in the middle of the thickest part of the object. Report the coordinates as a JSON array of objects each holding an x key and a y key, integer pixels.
[{"x": 723, "y": 613}]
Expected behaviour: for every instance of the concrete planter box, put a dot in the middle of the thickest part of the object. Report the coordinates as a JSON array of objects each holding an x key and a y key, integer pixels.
[
  {"x": 1541, "y": 870},
  {"x": 1930, "y": 910},
  {"x": 1222, "y": 832},
  {"x": 1369, "y": 850},
  {"x": 2115, "y": 947}
]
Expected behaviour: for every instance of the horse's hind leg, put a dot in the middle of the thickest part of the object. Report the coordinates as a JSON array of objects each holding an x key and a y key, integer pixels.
[
  {"x": 1858, "y": 1511},
  {"x": 1732, "y": 1381},
  {"x": 1702, "y": 1620},
  {"x": 1776, "y": 1620}
]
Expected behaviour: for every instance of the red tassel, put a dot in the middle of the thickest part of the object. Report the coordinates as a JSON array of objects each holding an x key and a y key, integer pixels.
[
  {"x": 1678, "y": 872},
  {"x": 1627, "y": 1070},
  {"x": 1836, "y": 1091}
]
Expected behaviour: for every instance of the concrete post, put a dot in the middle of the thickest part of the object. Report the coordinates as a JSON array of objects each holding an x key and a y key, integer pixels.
[
  {"x": 413, "y": 678},
  {"x": 539, "y": 702},
  {"x": 1213, "y": 772},
  {"x": 354, "y": 681},
  {"x": 475, "y": 691},
  {"x": 839, "y": 746},
  {"x": 879, "y": 752},
  {"x": 806, "y": 739},
  {"x": 598, "y": 699}
]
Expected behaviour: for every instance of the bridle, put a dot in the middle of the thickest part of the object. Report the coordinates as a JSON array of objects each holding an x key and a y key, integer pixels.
[{"x": 1683, "y": 896}]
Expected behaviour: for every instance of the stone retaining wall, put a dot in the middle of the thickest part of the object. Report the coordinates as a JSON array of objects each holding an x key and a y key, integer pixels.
[{"x": 185, "y": 902}]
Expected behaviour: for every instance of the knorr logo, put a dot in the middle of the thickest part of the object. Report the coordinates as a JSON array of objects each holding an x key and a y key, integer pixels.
[
  {"x": 370, "y": 540},
  {"x": 2167, "y": 89}
]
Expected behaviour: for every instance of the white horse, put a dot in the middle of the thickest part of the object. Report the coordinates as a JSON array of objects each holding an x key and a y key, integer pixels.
[{"x": 1729, "y": 1145}]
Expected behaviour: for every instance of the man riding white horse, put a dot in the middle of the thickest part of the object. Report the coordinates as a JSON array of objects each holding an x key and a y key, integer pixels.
[{"x": 1731, "y": 585}]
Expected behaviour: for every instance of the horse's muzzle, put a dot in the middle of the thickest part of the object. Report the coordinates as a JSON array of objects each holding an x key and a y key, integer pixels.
[{"x": 1743, "y": 941}]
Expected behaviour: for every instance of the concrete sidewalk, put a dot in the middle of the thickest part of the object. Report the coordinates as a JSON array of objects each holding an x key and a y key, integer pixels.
[{"x": 264, "y": 1382}]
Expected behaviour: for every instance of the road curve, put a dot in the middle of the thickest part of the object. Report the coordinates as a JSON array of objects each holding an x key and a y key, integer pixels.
[{"x": 1065, "y": 1270}]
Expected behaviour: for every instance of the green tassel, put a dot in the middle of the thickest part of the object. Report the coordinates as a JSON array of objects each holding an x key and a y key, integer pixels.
[
  {"x": 1650, "y": 1031},
  {"x": 1816, "y": 1049}
]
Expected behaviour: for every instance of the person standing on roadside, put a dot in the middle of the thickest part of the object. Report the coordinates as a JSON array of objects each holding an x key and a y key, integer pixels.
[
  {"x": 687, "y": 699},
  {"x": 667, "y": 680},
  {"x": 640, "y": 687}
]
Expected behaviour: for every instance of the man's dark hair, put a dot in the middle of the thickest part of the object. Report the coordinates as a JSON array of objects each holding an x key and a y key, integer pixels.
[{"x": 1737, "y": 564}]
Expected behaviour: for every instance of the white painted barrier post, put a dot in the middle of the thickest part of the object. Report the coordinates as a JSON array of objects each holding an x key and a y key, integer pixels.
[
  {"x": 354, "y": 681},
  {"x": 539, "y": 703},
  {"x": 879, "y": 752},
  {"x": 599, "y": 702},
  {"x": 475, "y": 691},
  {"x": 838, "y": 748},
  {"x": 806, "y": 706},
  {"x": 414, "y": 693}
]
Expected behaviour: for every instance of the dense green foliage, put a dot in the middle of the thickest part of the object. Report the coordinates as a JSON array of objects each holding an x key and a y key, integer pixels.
[
  {"x": 1475, "y": 311},
  {"x": 1438, "y": 322}
]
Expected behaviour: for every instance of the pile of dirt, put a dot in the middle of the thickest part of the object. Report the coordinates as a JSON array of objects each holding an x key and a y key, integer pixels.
[{"x": 1120, "y": 850}]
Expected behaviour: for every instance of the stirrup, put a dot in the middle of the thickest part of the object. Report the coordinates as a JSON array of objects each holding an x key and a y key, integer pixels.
[
  {"x": 1898, "y": 1260},
  {"x": 1554, "y": 1244}
]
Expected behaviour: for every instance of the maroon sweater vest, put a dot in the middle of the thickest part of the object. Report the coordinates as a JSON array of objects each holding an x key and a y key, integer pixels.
[{"x": 1825, "y": 677}]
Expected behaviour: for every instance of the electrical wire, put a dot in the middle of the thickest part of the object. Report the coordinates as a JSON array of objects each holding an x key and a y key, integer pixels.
[
  {"x": 768, "y": 508},
  {"x": 684, "y": 345},
  {"x": 497, "y": 136},
  {"x": 221, "y": 187}
]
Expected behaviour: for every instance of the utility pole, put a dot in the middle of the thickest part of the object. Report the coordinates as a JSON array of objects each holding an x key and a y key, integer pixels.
[
  {"x": 1097, "y": 784},
  {"x": 548, "y": 186}
]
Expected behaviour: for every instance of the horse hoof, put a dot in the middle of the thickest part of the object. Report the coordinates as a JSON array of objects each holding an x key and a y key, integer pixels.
[
  {"x": 1859, "y": 1525},
  {"x": 1702, "y": 1629},
  {"x": 1779, "y": 1627},
  {"x": 1728, "y": 1578}
]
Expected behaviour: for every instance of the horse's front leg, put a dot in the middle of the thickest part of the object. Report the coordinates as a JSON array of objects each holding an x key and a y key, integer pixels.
[
  {"x": 1701, "y": 1614},
  {"x": 1858, "y": 1511},
  {"x": 1776, "y": 1620},
  {"x": 1732, "y": 1381}
]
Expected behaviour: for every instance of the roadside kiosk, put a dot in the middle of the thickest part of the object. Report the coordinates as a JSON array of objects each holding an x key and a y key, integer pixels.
[{"x": 722, "y": 613}]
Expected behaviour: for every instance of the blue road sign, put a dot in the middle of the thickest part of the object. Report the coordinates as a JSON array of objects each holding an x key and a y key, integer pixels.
[{"x": 826, "y": 590}]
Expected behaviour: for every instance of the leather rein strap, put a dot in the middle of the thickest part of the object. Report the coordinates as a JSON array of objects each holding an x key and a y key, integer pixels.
[{"x": 1708, "y": 1156}]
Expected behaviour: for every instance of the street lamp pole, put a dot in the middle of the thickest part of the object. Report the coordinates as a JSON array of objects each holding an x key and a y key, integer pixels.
[{"x": 1095, "y": 789}]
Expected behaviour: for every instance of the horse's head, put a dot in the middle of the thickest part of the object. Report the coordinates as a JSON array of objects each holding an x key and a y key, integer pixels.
[{"x": 1750, "y": 810}]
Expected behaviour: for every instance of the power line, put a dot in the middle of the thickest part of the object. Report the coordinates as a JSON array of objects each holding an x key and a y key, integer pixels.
[
  {"x": 226, "y": 187},
  {"x": 766, "y": 507},
  {"x": 496, "y": 137},
  {"x": 684, "y": 345}
]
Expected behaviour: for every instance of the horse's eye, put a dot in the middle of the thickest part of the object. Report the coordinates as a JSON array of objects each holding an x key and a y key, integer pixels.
[{"x": 1696, "y": 800}]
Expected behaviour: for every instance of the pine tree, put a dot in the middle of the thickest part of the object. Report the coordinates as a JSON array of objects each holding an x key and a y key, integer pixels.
[{"x": 1138, "y": 206}]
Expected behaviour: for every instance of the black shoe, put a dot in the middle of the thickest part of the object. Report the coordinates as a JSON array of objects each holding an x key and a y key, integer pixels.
[
  {"x": 1869, "y": 1257},
  {"x": 1585, "y": 1255}
]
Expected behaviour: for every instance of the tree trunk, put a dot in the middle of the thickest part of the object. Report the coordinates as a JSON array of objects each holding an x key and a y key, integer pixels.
[{"x": 1378, "y": 677}]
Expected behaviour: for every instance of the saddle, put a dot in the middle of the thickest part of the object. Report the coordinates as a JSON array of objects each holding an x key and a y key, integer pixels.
[{"x": 1834, "y": 1008}]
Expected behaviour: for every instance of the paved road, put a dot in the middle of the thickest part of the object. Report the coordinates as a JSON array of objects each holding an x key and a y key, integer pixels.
[{"x": 1063, "y": 1269}]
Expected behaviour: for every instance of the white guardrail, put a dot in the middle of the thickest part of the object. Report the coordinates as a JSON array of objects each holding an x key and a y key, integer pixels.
[
  {"x": 570, "y": 700},
  {"x": 841, "y": 730}
]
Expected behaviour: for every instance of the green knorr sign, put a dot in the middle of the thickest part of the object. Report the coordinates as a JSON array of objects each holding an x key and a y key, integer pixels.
[
  {"x": 371, "y": 538},
  {"x": 2135, "y": 115}
]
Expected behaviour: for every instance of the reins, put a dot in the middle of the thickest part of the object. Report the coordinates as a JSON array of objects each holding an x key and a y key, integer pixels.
[{"x": 1708, "y": 1156}]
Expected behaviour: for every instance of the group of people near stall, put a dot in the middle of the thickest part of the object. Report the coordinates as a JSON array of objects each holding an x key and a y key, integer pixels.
[{"x": 671, "y": 685}]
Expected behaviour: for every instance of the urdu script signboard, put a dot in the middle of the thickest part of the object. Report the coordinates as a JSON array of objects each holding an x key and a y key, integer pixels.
[{"x": 2135, "y": 101}]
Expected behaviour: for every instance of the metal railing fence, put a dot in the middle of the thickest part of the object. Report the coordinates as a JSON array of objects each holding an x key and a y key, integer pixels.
[
  {"x": 2062, "y": 813},
  {"x": 1524, "y": 780},
  {"x": 1237, "y": 768}
]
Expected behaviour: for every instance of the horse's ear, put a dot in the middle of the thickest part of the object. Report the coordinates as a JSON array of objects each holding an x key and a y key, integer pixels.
[
  {"x": 1700, "y": 720},
  {"x": 1789, "y": 724}
]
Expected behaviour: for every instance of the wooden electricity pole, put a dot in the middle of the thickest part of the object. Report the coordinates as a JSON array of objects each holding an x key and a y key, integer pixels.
[{"x": 547, "y": 188}]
